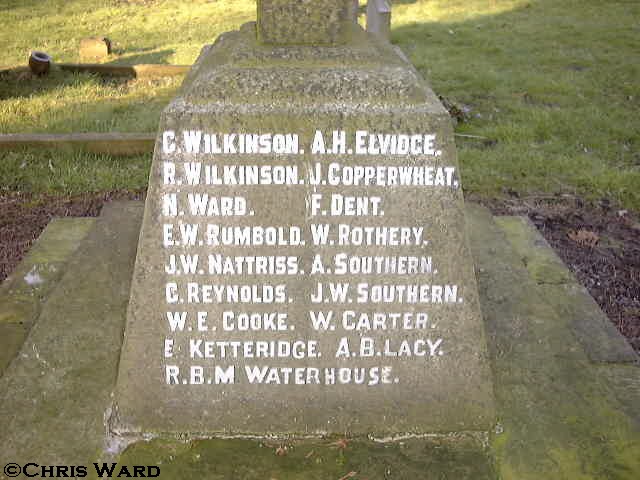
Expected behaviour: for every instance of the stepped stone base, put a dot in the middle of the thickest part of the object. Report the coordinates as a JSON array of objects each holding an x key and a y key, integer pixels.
[
  {"x": 567, "y": 385},
  {"x": 24, "y": 292}
]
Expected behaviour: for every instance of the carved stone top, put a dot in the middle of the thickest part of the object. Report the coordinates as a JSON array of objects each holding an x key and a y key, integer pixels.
[{"x": 304, "y": 22}]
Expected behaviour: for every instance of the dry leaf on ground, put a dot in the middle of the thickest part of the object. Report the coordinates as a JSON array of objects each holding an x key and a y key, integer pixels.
[
  {"x": 584, "y": 237},
  {"x": 341, "y": 444},
  {"x": 348, "y": 475}
]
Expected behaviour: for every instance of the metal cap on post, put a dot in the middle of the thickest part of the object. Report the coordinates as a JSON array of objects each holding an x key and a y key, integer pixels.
[{"x": 305, "y": 22}]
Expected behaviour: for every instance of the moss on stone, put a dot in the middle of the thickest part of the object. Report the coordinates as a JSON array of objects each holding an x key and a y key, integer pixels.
[
  {"x": 598, "y": 337},
  {"x": 541, "y": 262},
  {"x": 364, "y": 71},
  {"x": 54, "y": 394},
  {"x": 460, "y": 458},
  {"x": 559, "y": 416},
  {"x": 320, "y": 22},
  {"x": 23, "y": 293}
]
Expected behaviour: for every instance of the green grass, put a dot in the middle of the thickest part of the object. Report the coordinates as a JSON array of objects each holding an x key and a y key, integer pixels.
[
  {"x": 553, "y": 85},
  {"x": 64, "y": 102},
  {"x": 142, "y": 31},
  {"x": 55, "y": 171}
]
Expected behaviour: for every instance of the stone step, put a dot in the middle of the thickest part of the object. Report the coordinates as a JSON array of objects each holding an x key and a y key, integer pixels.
[
  {"x": 599, "y": 338},
  {"x": 558, "y": 413},
  {"x": 54, "y": 394},
  {"x": 23, "y": 293}
]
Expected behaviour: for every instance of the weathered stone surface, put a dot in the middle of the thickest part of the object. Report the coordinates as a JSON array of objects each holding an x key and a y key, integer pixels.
[
  {"x": 536, "y": 437},
  {"x": 25, "y": 290},
  {"x": 625, "y": 383},
  {"x": 13, "y": 335},
  {"x": 449, "y": 391},
  {"x": 595, "y": 332},
  {"x": 53, "y": 396},
  {"x": 94, "y": 48},
  {"x": 333, "y": 84},
  {"x": 307, "y": 22},
  {"x": 558, "y": 414},
  {"x": 379, "y": 18},
  {"x": 456, "y": 457}
]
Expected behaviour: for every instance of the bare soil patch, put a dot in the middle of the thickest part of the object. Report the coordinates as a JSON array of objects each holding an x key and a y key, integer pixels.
[
  {"x": 600, "y": 244},
  {"x": 24, "y": 216}
]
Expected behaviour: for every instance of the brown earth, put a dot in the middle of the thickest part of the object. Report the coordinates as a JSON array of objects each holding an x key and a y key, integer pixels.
[
  {"x": 23, "y": 217},
  {"x": 599, "y": 243}
]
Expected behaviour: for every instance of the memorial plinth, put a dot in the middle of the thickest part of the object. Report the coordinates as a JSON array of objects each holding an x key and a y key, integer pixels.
[
  {"x": 308, "y": 22},
  {"x": 302, "y": 266}
]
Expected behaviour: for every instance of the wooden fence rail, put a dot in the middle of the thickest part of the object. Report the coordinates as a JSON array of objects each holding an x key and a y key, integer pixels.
[{"x": 112, "y": 143}]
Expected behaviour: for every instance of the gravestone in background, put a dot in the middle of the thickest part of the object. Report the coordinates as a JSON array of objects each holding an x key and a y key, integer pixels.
[
  {"x": 379, "y": 18},
  {"x": 302, "y": 266},
  {"x": 94, "y": 48}
]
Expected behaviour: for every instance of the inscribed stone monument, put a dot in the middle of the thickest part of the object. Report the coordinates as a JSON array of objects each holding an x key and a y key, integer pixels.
[
  {"x": 302, "y": 266},
  {"x": 306, "y": 22}
]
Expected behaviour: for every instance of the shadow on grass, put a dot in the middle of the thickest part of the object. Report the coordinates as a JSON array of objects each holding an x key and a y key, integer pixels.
[
  {"x": 19, "y": 82},
  {"x": 65, "y": 102}
]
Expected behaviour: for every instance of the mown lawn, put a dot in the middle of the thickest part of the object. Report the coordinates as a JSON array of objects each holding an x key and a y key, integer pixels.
[{"x": 552, "y": 87}]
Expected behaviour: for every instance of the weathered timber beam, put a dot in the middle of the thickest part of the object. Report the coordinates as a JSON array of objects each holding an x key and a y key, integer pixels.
[
  {"x": 147, "y": 70},
  {"x": 112, "y": 143},
  {"x": 141, "y": 70}
]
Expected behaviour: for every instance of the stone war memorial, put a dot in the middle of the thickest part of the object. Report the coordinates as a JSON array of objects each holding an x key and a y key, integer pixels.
[
  {"x": 305, "y": 294},
  {"x": 302, "y": 265}
]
